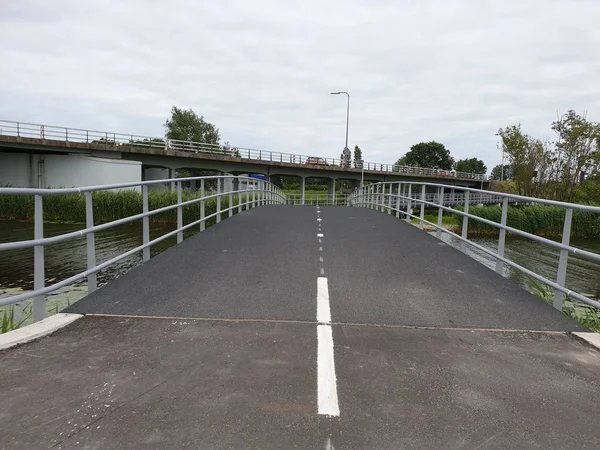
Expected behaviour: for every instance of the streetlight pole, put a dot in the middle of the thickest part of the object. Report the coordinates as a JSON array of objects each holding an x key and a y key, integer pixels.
[
  {"x": 362, "y": 173},
  {"x": 501, "y": 165},
  {"x": 347, "y": 113}
]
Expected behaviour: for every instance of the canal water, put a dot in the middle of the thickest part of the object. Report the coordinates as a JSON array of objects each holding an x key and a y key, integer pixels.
[
  {"x": 69, "y": 258},
  {"x": 583, "y": 275}
]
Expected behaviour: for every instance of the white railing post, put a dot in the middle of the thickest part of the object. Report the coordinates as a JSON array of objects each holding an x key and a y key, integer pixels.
[
  {"x": 39, "y": 277},
  {"x": 465, "y": 223},
  {"x": 423, "y": 198},
  {"x": 179, "y": 213},
  {"x": 202, "y": 206},
  {"x": 398, "y": 201},
  {"x": 409, "y": 205},
  {"x": 145, "y": 224},
  {"x": 239, "y": 188},
  {"x": 561, "y": 275},
  {"x": 218, "y": 199},
  {"x": 230, "y": 188},
  {"x": 502, "y": 237},
  {"x": 91, "y": 243},
  {"x": 438, "y": 232}
]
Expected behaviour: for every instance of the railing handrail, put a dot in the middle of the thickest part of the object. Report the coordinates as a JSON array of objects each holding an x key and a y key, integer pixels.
[
  {"x": 520, "y": 198},
  {"x": 262, "y": 192},
  {"x": 183, "y": 145},
  {"x": 378, "y": 196},
  {"x": 104, "y": 187}
]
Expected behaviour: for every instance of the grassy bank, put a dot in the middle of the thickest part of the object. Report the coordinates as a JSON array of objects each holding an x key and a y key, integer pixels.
[
  {"x": 109, "y": 206},
  {"x": 541, "y": 220},
  {"x": 586, "y": 315}
]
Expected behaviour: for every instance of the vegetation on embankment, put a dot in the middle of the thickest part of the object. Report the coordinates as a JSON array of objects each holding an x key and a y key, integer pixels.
[
  {"x": 109, "y": 206},
  {"x": 536, "y": 219}
]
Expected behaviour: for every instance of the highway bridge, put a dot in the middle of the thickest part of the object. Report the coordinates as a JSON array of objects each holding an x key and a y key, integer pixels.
[{"x": 38, "y": 155}]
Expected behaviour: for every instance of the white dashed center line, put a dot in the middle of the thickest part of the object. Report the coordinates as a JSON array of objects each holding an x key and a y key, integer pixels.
[{"x": 327, "y": 397}]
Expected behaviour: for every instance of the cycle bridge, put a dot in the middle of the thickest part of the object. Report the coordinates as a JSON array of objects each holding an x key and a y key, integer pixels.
[{"x": 306, "y": 327}]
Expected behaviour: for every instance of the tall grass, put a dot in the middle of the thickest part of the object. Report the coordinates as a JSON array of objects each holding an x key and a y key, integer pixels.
[
  {"x": 586, "y": 315},
  {"x": 111, "y": 205},
  {"x": 536, "y": 219}
]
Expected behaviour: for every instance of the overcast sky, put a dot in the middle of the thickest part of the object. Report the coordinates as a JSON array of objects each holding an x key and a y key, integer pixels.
[{"x": 453, "y": 71}]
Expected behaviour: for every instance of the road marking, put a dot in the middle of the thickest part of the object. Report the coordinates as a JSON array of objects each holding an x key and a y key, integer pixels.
[
  {"x": 320, "y": 235},
  {"x": 322, "y": 271},
  {"x": 323, "y": 312},
  {"x": 319, "y": 219},
  {"x": 320, "y": 241},
  {"x": 320, "y": 249},
  {"x": 320, "y": 259},
  {"x": 327, "y": 383}
]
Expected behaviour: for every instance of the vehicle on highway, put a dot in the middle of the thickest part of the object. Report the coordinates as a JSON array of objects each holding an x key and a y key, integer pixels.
[{"x": 315, "y": 161}]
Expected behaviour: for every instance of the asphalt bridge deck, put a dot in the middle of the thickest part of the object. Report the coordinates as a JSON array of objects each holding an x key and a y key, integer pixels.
[{"x": 213, "y": 344}]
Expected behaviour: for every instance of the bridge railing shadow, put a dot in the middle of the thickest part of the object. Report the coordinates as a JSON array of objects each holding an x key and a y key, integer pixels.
[
  {"x": 408, "y": 201},
  {"x": 234, "y": 194}
]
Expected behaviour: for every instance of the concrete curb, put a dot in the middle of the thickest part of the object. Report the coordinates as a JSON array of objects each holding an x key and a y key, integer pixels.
[
  {"x": 591, "y": 338},
  {"x": 36, "y": 330}
]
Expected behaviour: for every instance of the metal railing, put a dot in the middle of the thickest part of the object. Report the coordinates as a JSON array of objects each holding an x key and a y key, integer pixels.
[
  {"x": 318, "y": 199},
  {"x": 401, "y": 198},
  {"x": 112, "y": 139},
  {"x": 243, "y": 193}
]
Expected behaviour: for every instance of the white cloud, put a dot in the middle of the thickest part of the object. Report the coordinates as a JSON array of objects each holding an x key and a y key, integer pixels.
[{"x": 262, "y": 71}]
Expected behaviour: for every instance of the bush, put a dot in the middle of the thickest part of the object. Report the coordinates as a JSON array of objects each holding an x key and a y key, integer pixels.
[{"x": 110, "y": 205}]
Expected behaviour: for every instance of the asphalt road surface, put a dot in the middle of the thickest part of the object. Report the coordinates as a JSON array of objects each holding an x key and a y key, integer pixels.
[{"x": 309, "y": 328}]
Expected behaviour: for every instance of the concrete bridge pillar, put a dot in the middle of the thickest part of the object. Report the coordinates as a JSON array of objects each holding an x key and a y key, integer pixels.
[
  {"x": 193, "y": 186},
  {"x": 156, "y": 173},
  {"x": 331, "y": 191},
  {"x": 172, "y": 174},
  {"x": 302, "y": 189},
  {"x": 228, "y": 182}
]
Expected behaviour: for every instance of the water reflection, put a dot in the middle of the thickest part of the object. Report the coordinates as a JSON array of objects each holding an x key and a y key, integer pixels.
[
  {"x": 583, "y": 275},
  {"x": 70, "y": 258}
]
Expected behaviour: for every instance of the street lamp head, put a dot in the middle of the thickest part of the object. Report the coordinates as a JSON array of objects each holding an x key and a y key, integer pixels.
[{"x": 334, "y": 93}]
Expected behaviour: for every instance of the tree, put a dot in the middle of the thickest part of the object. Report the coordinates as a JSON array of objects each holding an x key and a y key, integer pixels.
[
  {"x": 428, "y": 154},
  {"x": 578, "y": 149},
  {"x": 497, "y": 174},
  {"x": 530, "y": 160},
  {"x": 516, "y": 146},
  {"x": 346, "y": 158},
  {"x": 470, "y": 165},
  {"x": 399, "y": 163},
  {"x": 358, "y": 161},
  {"x": 185, "y": 125}
]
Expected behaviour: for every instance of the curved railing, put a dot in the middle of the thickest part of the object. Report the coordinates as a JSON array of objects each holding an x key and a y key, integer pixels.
[
  {"x": 401, "y": 198},
  {"x": 111, "y": 139},
  {"x": 243, "y": 193}
]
